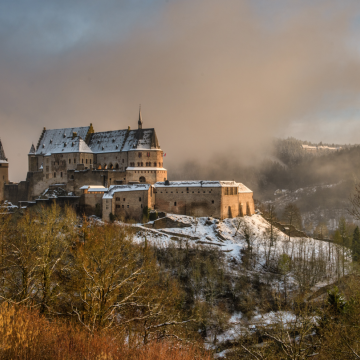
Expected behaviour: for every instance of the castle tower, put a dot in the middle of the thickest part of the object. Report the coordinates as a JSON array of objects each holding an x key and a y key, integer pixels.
[
  {"x": 140, "y": 122},
  {"x": 4, "y": 171},
  {"x": 32, "y": 159}
]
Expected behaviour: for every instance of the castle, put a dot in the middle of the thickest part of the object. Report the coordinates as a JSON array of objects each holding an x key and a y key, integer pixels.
[{"x": 97, "y": 169}]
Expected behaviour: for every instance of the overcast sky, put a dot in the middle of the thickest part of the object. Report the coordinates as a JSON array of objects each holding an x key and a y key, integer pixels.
[{"x": 213, "y": 77}]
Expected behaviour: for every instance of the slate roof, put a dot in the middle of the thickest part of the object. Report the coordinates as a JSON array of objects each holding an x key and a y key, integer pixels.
[
  {"x": 32, "y": 150},
  {"x": 61, "y": 141},
  {"x": 2, "y": 153},
  {"x": 123, "y": 140},
  {"x": 52, "y": 141}
]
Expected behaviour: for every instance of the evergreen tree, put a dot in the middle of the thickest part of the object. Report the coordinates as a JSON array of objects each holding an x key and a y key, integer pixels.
[{"x": 356, "y": 244}]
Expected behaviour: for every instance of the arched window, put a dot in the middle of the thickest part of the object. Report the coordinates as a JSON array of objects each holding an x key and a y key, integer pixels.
[
  {"x": 99, "y": 167},
  {"x": 142, "y": 179},
  {"x": 111, "y": 166},
  {"x": 117, "y": 166},
  {"x": 105, "y": 167}
]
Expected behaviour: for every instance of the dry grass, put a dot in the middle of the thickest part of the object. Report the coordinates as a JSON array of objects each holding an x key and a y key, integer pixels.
[{"x": 24, "y": 334}]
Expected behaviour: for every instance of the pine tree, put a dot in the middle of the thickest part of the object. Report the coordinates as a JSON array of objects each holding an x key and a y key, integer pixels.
[{"x": 356, "y": 245}]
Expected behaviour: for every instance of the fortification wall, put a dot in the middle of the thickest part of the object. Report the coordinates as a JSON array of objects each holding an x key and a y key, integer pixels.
[
  {"x": 246, "y": 202},
  {"x": 149, "y": 176},
  {"x": 17, "y": 192},
  {"x": 4, "y": 179},
  {"x": 197, "y": 201},
  {"x": 130, "y": 204}
]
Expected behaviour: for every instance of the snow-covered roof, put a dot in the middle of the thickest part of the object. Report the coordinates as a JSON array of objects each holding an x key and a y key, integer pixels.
[
  {"x": 142, "y": 168},
  {"x": 123, "y": 188},
  {"x": 197, "y": 183},
  {"x": 60, "y": 141},
  {"x": 123, "y": 140},
  {"x": 243, "y": 189},
  {"x": 92, "y": 188}
]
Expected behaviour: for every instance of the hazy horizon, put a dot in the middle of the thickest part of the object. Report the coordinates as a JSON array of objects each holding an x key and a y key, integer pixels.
[{"x": 217, "y": 80}]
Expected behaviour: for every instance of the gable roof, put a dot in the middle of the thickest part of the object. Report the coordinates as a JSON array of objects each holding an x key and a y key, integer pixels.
[
  {"x": 52, "y": 141},
  {"x": 123, "y": 140}
]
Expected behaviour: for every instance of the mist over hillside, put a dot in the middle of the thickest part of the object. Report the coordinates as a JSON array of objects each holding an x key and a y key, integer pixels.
[{"x": 316, "y": 181}]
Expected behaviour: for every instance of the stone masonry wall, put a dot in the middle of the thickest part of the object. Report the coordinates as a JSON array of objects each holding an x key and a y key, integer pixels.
[
  {"x": 4, "y": 179},
  {"x": 197, "y": 201}
]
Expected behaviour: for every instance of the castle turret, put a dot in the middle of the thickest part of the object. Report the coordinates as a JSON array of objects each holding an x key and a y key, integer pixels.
[
  {"x": 4, "y": 171},
  {"x": 140, "y": 122},
  {"x": 32, "y": 159}
]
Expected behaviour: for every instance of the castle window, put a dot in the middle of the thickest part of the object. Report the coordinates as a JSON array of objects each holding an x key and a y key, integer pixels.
[
  {"x": 122, "y": 160},
  {"x": 175, "y": 203},
  {"x": 118, "y": 206},
  {"x": 159, "y": 164},
  {"x": 82, "y": 161},
  {"x": 155, "y": 164},
  {"x": 117, "y": 166},
  {"x": 69, "y": 161},
  {"x": 140, "y": 154},
  {"x": 142, "y": 164},
  {"x": 212, "y": 201},
  {"x": 54, "y": 174},
  {"x": 138, "y": 164},
  {"x": 148, "y": 154},
  {"x": 90, "y": 161},
  {"x": 61, "y": 174},
  {"x": 105, "y": 167},
  {"x": 86, "y": 161},
  {"x": 99, "y": 167},
  {"x": 127, "y": 206},
  {"x": 122, "y": 206},
  {"x": 47, "y": 169},
  {"x": 139, "y": 198},
  {"x": 187, "y": 189},
  {"x": 117, "y": 199},
  {"x": 74, "y": 161},
  {"x": 124, "y": 199}
]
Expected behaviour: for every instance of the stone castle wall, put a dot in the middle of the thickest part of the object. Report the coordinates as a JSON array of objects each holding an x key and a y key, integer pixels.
[
  {"x": 4, "y": 179},
  {"x": 194, "y": 202}
]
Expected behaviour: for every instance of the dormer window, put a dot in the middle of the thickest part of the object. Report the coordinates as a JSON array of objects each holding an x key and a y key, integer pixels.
[
  {"x": 98, "y": 141},
  {"x": 102, "y": 148},
  {"x": 43, "y": 145},
  {"x": 65, "y": 144},
  {"x": 64, "y": 135},
  {"x": 113, "y": 140},
  {"x": 50, "y": 141},
  {"x": 72, "y": 144},
  {"x": 117, "y": 146}
]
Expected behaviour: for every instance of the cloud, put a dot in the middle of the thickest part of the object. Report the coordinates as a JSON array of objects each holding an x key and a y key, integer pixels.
[{"x": 216, "y": 79}]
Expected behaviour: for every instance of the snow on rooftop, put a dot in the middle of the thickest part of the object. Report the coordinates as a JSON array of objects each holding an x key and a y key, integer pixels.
[
  {"x": 198, "y": 183},
  {"x": 60, "y": 141},
  {"x": 145, "y": 168},
  {"x": 121, "y": 140},
  {"x": 122, "y": 188},
  {"x": 94, "y": 188}
]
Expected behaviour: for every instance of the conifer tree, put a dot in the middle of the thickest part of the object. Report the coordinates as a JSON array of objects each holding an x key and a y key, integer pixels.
[{"x": 356, "y": 244}]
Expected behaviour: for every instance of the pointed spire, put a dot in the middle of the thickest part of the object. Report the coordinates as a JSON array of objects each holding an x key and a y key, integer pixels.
[
  {"x": 2, "y": 153},
  {"x": 32, "y": 150},
  {"x": 140, "y": 122}
]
